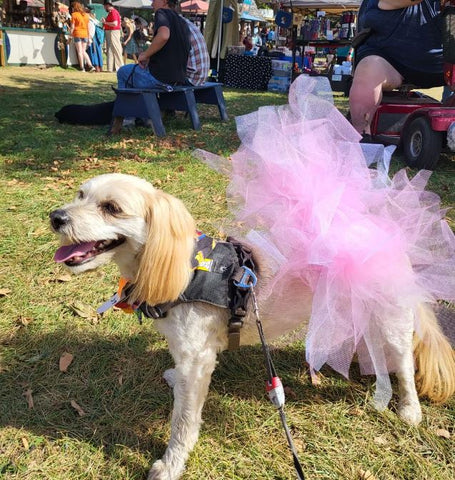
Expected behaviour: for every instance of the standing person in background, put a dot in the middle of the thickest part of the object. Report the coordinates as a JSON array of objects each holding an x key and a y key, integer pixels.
[
  {"x": 197, "y": 68},
  {"x": 140, "y": 36},
  {"x": 96, "y": 40},
  {"x": 112, "y": 30},
  {"x": 129, "y": 43},
  {"x": 79, "y": 32},
  {"x": 248, "y": 42},
  {"x": 264, "y": 33},
  {"x": 150, "y": 29}
]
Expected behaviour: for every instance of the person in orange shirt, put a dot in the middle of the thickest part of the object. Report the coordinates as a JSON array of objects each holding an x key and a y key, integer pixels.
[{"x": 79, "y": 31}]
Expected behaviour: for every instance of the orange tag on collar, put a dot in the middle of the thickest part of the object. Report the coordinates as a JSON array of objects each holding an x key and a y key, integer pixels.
[{"x": 121, "y": 285}]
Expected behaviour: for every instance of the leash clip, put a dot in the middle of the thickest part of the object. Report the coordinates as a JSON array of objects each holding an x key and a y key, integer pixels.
[{"x": 247, "y": 280}]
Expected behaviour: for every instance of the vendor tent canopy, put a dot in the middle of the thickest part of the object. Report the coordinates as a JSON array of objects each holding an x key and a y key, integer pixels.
[
  {"x": 249, "y": 12},
  {"x": 35, "y": 3},
  {"x": 195, "y": 6},
  {"x": 136, "y": 4},
  {"x": 247, "y": 17}
]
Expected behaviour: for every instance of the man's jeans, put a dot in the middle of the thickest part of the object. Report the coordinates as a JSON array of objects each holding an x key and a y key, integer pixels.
[{"x": 134, "y": 76}]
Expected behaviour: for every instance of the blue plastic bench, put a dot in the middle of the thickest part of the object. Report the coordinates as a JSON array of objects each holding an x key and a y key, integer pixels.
[{"x": 148, "y": 104}]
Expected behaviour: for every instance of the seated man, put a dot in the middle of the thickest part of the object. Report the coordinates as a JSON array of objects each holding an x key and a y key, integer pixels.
[
  {"x": 164, "y": 62},
  {"x": 197, "y": 68},
  {"x": 404, "y": 46}
]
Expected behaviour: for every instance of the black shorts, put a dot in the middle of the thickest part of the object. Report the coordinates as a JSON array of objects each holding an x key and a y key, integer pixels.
[{"x": 414, "y": 77}]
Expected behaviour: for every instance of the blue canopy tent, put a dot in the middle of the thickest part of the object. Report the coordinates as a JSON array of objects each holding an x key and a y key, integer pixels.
[{"x": 247, "y": 17}]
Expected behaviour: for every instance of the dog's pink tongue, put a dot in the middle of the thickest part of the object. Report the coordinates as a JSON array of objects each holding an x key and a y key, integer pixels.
[{"x": 68, "y": 251}]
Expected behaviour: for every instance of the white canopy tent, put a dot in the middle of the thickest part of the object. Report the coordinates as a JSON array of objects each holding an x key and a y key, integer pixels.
[{"x": 135, "y": 4}]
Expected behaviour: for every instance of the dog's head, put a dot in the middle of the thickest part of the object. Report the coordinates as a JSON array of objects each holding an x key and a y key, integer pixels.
[{"x": 121, "y": 218}]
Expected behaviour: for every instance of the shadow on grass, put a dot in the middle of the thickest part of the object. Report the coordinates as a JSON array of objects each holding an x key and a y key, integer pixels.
[
  {"x": 117, "y": 381},
  {"x": 31, "y": 139}
]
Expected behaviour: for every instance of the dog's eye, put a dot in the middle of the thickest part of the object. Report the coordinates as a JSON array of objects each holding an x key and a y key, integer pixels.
[
  {"x": 111, "y": 208},
  {"x": 80, "y": 194}
]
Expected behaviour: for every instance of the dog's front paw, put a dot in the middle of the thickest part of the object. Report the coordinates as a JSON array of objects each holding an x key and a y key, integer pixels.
[
  {"x": 411, "y": 413},
  {"x": 159, "y": 472}
]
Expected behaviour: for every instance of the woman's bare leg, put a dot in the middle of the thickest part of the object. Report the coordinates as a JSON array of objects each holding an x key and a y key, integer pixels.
[{"x": 372, "y": 76}]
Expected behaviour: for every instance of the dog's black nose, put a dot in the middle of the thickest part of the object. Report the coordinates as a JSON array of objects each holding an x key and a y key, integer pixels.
[{"x": 58, "y": 219}]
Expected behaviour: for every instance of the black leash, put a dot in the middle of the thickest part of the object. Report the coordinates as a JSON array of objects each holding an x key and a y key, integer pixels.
[{"x": 273, "y": 386}]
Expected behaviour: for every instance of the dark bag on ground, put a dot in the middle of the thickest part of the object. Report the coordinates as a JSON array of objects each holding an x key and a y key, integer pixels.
[
  {"x": 98, "y": 114},
  {"x": 448, "y": 34}
]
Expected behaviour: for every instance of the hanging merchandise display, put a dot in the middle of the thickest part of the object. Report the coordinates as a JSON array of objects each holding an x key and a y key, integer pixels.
[
  {"x": 328, "y": 27},
  {"x": 348, "y": 22}
]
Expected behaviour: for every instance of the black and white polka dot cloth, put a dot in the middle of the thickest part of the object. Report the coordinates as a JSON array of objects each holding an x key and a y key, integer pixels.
[{"x": 244, "y": 71}]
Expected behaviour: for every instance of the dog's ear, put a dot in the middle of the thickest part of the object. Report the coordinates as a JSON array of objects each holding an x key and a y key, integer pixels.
[{"x": 165, "y": 263}]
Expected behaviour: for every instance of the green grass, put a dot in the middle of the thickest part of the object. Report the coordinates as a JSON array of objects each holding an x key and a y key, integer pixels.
[{"x": 116, "y": 373}]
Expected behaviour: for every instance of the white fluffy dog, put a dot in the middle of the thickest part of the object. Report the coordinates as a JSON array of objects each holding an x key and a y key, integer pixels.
[{"x": 150, "y": 236}]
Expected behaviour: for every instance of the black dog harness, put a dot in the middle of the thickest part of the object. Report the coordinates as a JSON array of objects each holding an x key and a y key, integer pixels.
[{"x": 223, "y": 272}]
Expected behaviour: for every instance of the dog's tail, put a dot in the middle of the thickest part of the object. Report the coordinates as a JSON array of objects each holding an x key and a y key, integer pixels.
[{"x": 435, "y": 358}]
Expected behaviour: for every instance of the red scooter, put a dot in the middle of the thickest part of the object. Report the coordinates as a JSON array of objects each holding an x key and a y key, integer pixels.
[{"x": 421, "y": 125}]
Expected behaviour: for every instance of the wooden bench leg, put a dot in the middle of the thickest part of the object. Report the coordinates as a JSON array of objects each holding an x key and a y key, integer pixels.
[
  {"x": 221, "y": 104},
  {"x": 212, "y": 95},
  {"x": 192, "y": 109},
  {"x": 139, "y": 105},
  {"x": 153, "y": 112},
  {"x": 116, "y": 126}
]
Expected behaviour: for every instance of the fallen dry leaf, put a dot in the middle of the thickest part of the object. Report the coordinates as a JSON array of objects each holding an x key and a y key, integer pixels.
[
  {"x": 77, "y": 408},
  {"x": 23, "y": 321},
  {"x": 64, "y": 277},
  {"x": 120, "y": 380},
  {"x": 380, "y": 440},
  {"x": 4, "y": 292},
  {"x": 65, "y": 361},
  {"x": 28, "y": 396},
  {"x": 356, "y": 412},
  {"x": 40, "y": 231},
  {"x": 299, "y": 444},
  {"x": 366, "y": 475},
  {"x": 441, "y": 432},
  {"x": 83, "y": 310},
  {"x": 25, "y": 443}
]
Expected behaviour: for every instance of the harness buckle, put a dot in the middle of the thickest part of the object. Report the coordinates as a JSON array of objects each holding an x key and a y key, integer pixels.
[{"x": 248, "y": 278}]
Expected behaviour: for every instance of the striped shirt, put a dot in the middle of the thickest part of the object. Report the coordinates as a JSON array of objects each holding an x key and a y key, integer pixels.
[{"x": 197, "y": 68}]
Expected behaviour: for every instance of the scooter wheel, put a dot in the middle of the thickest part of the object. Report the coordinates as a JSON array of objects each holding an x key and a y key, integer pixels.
[{"x": 421, "y": 144}]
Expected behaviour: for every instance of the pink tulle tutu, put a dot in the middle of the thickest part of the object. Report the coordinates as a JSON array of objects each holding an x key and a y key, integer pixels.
[{"x": 367, "y": 246}]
